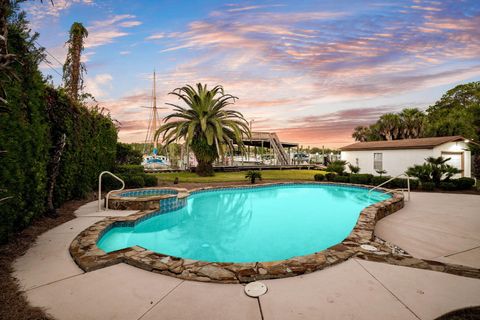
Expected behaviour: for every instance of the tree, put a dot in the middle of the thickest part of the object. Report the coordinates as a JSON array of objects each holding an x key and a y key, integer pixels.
[
  {"x": 390, "y": 126},
  {"x": 73, "y": 68},
  {"x": 456, "y": 113},
  {"x": 205, "y": 124},
  {"x": 412, "y": 123},
  {"x": 360, "y": 133}
]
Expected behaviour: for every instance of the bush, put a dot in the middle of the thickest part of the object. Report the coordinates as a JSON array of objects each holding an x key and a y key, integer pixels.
[
  {"x": 428, "y": 186},
  {"x": 463, "y": 183},
  {"x": 129, "y": 169},
  {"x": 337, "y": 166},
  {"x": 447, "y": 185},
  {"x": 402, "y": 183},
  {"x": 343, "y": 179},
  {"x": 127, "y": 155},
  {"x": 330, "y": 176},
  {"x": 377, "y": 180},
  {"x": 319, "y": 177},
  {"x": 353, "y": 169},
  {"x": 150, "y": 180},
  {"x": 361, "y": 178},
  {"x": 134, "y": 181}
]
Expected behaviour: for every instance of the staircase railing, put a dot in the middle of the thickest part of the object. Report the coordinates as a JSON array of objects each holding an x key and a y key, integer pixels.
[
  {"x": 401, "y": 189},
  {"x": 108, "y": 194},
  {"x": 278, "y": 149}
]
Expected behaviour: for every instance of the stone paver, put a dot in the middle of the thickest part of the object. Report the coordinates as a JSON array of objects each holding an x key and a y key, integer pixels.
[
  {"x": 345, "y": 291},
  {"x": 196, "y": 300},
  {"x": 117, "y": 292},
  {"x": 428, "y": 294},
  {"x": 433, "y": 225},
  {"x": 48, "y": 259}
]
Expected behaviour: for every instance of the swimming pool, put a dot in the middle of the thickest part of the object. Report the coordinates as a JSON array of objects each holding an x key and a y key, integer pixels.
[{"x": 264, "y": 223}]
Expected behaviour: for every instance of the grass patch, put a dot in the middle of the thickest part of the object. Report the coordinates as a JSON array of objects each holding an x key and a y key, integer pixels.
[{"x": 239, "y": 176}]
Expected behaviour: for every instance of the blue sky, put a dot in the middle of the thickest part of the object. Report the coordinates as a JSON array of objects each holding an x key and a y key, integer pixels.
[{"x": 309, "y": 70}]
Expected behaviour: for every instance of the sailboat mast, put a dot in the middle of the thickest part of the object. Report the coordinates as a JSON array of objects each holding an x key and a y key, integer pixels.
[{"x": 154, "y": 122}]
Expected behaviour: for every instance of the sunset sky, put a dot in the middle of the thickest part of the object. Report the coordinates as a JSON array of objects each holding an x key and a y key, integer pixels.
[{"x": 309, "y": 70}]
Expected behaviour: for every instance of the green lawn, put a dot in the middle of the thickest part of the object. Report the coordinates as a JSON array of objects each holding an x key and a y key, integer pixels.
[{"x": 240, "y": 176}]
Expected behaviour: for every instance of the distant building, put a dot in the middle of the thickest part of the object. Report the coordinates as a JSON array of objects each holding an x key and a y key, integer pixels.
[{"x": 395, "y": 156}]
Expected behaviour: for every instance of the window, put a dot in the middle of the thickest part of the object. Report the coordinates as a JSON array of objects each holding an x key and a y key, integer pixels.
[{"x": 378, "y": 161}]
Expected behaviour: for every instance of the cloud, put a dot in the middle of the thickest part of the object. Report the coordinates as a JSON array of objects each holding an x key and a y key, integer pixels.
[
  {"x": 99, "y": 85},
  {"x": 43, "y": 12},
  {"x": 248, "y": 8},
  {"x": 106, "y": 31},
  {"x": 156, "y": 36}
]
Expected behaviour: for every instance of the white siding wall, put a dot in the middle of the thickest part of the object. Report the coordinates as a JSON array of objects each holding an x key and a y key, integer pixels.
[{"x": 396, "y": 162}]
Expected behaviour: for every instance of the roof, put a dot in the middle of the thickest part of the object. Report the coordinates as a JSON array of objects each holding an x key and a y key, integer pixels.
[{"x": 421, "y": 143}]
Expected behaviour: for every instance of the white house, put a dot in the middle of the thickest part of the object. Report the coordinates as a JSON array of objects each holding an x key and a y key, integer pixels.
[{"x": 396, "y": 156}]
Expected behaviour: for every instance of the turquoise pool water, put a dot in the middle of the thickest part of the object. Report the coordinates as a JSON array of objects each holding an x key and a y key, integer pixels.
[{"x": 250, "y": 225}]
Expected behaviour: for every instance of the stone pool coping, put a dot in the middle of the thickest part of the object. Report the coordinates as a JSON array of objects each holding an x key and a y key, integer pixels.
[{"x": 89, "y": 257}]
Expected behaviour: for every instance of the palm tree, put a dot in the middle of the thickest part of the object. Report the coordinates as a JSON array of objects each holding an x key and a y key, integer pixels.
[
  {"x": 390, "y": 126},
  {"x": 413, "y": 123},
  {"x": 205, "y": 124},
  {"x": 360, "y": 133},
  {"x": 73, "y": 68},
  {"x": 253, "y": 175}
]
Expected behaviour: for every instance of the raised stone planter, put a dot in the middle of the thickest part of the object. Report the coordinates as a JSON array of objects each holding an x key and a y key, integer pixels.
[{"x": 89, "y": 257}]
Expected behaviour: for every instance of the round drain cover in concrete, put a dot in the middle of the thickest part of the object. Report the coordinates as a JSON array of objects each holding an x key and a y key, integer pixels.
[
  {"x": 368, "y": 247},
  {"x": 255, "y": 289}
]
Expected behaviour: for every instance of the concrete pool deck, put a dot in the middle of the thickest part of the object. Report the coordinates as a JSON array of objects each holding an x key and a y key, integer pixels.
[{"x": 445, "y": 227}]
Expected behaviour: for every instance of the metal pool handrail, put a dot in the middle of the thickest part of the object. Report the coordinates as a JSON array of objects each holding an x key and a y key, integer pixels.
[
  {"x": 108, "y": 194},
  {"x": 383, "y": 183}
]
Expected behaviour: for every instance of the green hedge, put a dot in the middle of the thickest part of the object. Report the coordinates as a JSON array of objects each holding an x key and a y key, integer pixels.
[
  {"x": 344, "y": 179},
  {"x": 319, "y": 177},
  {"x": 330, "y": 176},
  {"x": 361, "y": 178},
  {"x": 31, "y": 124},
  {"x": 464, "y": 183}
]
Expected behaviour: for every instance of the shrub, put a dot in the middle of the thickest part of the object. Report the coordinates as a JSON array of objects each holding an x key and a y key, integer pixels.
[
  {"x": 377, "y": 180},
  {"x": 337, "y": 166},
  {"x": 127, "y": 155},
  {"x": 447, "y": 185},
  {"x": 402, "y": 183},
  {"x": 463, "y": 183},
  {"x": 353, "y": 169},
  {"x": 134, "y": 181},
  {"x": 427, "y": 186},
  {"x": 253, "y": 175},
  {"x": 319, "y": 177},
  {"x": 150, "y": 180},
  {"x": 129, "y": 169},
  {"x": 361, "y": 178},
  {"x": 330, "y": 176},
  {"x": 343, "y": 179}
]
